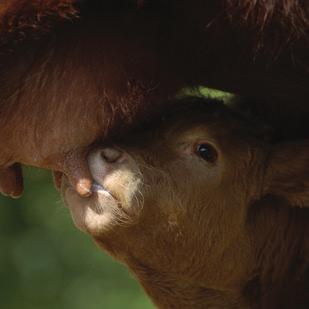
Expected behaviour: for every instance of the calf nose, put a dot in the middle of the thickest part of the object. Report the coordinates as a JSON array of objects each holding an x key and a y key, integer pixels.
[{"x": 111, "y": 155}]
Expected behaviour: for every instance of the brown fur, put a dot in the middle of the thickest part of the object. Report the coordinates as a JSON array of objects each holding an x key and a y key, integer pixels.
[
  {"x": 228, "y": 233},
  {"x": 19, "y": 18},
  {"x": 73, "y": 72}
]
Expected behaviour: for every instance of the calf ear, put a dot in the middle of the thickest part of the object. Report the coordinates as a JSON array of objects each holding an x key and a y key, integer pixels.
[{"x": 287, "y": 174}]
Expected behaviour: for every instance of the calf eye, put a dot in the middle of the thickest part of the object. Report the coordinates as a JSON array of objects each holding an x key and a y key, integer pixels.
[{"x": 206, "y": 152}]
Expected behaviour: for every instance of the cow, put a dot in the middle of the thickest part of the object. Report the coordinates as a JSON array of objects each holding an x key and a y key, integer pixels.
[
  {"x": 204, "y": 209},
  {"x": 74, "y": 72}
]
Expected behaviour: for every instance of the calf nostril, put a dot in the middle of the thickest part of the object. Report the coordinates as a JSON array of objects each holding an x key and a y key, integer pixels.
[{"x": 111, "y": 155}]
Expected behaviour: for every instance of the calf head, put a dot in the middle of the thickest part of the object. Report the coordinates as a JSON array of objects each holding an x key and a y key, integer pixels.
[{"x": 176, "y": 204}]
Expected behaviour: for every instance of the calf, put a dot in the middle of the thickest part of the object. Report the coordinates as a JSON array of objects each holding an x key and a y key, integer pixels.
[{"x": 203, "y": 210}]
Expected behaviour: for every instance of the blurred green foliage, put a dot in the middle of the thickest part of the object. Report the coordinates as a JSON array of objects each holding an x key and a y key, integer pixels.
[
  {"x": 226, "y": 97},
  {"x": 46, "y": 263}
]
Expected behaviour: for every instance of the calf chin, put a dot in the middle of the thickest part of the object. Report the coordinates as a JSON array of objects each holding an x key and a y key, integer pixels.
[{"x": 94, "y": 216}]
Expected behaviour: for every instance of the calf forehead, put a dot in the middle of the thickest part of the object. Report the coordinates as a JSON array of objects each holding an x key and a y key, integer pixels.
[
  {"x": 189, "y": 112},
  {"x": 209, "y": 119}
]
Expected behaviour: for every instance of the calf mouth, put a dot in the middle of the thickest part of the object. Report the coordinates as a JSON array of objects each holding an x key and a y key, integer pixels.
[
  {"x": 99, "y": 189},
  {"x": 95, "y": 214},
  {"x": 104, "y": 210}
]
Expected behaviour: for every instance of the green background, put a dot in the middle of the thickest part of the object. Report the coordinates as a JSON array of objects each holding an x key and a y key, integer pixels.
[{"x": 46, "y": 263}]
